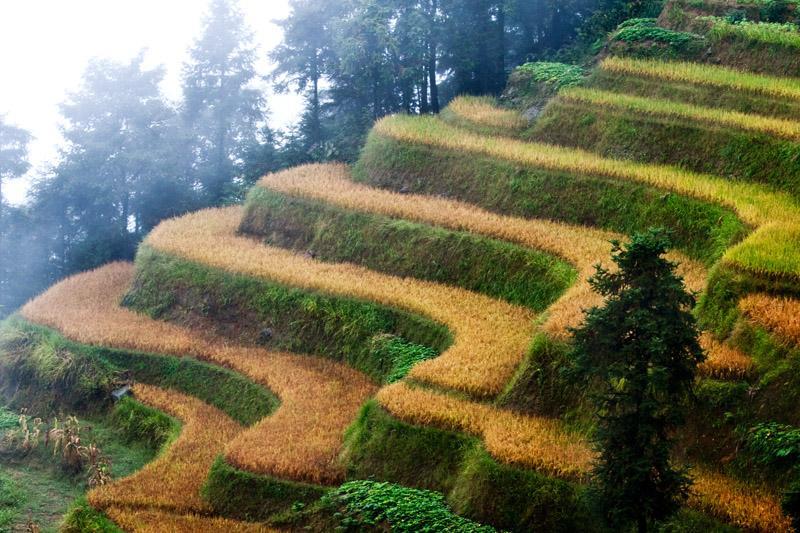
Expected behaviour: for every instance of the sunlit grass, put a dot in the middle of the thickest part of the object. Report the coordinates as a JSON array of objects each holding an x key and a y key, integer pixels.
[
  {"x": 703, "y": 74},
  {"x": 787, "y": 129},
  {"x": 748, "y": 507},
  {"x": 483, "y": 110},
  {"x": 723, "y": 361}
]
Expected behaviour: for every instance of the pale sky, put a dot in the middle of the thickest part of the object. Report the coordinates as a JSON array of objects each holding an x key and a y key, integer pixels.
[{"x": 46, "y": 44}]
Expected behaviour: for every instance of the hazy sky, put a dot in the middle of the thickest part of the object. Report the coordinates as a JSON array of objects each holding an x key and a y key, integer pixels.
[{"x": 46, "y": 44}]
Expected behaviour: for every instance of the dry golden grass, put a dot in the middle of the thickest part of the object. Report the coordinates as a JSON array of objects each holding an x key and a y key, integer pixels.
[
  {"x": 491, "y": 337},
  {"x": 483, "y": 111},
  {"x": 787, "y": 129},
  {"x": 704, "y": 74},
  {"x": 724, "y": 362},
  {"x": 583, "y": 247},
  {"x": 778, "y": 315},
  {"x": 772, "y": 249},
  {"x": 747, "y": 507},
  {"x": 172, "y": 482},
  {"x": 320, "y": 398},
  {"x": 532, "y": 442},
  {"x": 154, "y": 521}
]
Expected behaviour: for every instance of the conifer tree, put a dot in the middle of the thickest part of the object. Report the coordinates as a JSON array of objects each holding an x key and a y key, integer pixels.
[
  {"x": 221, "y": 107},
  {"x": 639, "y": 352}
]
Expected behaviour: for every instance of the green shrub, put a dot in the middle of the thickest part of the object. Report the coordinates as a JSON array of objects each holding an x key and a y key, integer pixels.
[
  {"x": 774, "y": 445},
  {"x": 557, "y": 75},
  {"x": 140, "y": 423},
  {"x": 83, "y": 518},
  {"x": 403, "y": 355},
  {"x": 401, "y": 509}
]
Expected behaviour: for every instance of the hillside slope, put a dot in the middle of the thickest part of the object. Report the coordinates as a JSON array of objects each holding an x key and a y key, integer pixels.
[{"x": 351, "y": 334}]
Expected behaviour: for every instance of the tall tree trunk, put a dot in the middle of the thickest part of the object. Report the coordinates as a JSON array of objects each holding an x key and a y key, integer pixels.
[
  {"x": 219, "y": 179},
  {"x": 2, "y": 247},
  {"x": 432, "y": 50},
  {"x": 500, "y": 72},
  {"x": 423, "y": 93},
  {"x": 316, "y": 127},
  {"x": 483, "y": 71}
]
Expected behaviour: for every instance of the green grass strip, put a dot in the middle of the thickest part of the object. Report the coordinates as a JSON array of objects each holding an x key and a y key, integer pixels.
[
  {"x": 788, "y": 129},
  {"x": 700, "y": 74}
]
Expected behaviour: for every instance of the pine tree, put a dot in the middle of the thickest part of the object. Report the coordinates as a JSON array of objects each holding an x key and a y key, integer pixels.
[
  {"x": 222, "y": 110},
  {"x": 13, "y": 164},
  {"x": 639, "y": 352}
]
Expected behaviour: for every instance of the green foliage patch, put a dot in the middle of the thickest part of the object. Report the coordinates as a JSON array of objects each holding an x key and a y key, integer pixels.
[
  {"x": 83, "y": 518},
  {"x": 402, "y": 509},
  {"x": 11, "y": 498},
  {"x": 557, "y": 75},
  {"x": 140, "y": 423}
]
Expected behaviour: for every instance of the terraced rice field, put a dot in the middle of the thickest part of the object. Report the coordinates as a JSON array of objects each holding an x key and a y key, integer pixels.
[
  {"x": 303, "y": 439},
  {"x": 319, "y": 397},
  {"x": 491, "y": 336},
  {"x": 584, "y": 247}
]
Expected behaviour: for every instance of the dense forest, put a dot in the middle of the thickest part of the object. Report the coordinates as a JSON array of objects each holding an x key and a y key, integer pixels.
[{"x": 132, "y": 158}]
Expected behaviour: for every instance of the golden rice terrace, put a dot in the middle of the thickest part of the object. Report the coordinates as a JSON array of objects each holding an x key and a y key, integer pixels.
[{"x": 402, "y": 320}]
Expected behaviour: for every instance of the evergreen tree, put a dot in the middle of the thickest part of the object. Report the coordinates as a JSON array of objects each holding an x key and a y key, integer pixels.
[
  {"x": 304, "y": 58},
  {"x": 120, "y": 170},
  {"x": 13, "y": 153},
  {"x": 13, "y": 164},
  {"x": 221, "y": 108},
  {"x": 639, "y": 352}
]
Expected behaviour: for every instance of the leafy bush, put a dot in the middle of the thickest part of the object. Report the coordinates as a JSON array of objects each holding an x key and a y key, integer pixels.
[
  {"x": 559, "y": 75},
  {"x": 640, "y": 33},
  {"x": 774, "y": 445},
  {"x": 141, "y": 423},
  {"x": 83, "y": 518},
  {"x": 639, "y": 22},
  {"x": 370, "y": 503}
]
